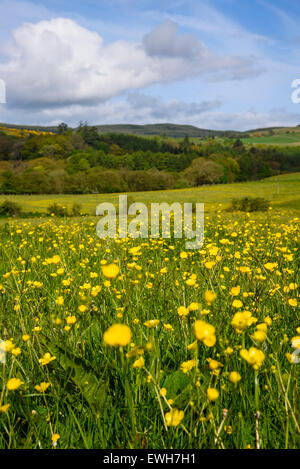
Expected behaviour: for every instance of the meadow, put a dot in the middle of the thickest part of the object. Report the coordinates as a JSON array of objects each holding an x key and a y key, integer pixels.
[
  {"x": 273, "y": 140},
  {"x": 138, "y": 343},
  {"x": 282, "y": 191},
  {"x": 276, "y": 136}
]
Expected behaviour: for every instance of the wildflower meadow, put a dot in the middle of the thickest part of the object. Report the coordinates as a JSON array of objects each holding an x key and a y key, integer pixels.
[{"x": 140, "y": 343}]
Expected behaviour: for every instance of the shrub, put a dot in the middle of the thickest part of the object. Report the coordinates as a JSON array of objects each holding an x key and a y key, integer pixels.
[
  {"x": 10, "y": 209},
  {"x": 250, "y": 204},
  {"x": 57, "y": 210},
  {"x": 76, "y": 210}
]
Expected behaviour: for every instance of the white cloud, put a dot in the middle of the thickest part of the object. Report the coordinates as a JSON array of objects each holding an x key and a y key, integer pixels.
[
  {"x": 157, "y": 109},
  {"x": 144, "y": 109},
  {"x": 58, "y": 62}
]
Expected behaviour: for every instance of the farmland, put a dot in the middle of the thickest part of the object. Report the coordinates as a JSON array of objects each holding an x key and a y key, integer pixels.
[{"x": 282, "y": 191}]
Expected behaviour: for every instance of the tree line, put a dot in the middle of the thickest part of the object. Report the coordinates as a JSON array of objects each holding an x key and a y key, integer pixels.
[{"x": 85, "y": 161}]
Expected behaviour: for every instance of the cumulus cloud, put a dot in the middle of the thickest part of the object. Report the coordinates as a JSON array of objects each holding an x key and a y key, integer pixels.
[
  {"x": 139, "y": 108},
  {"x": 57, "y": 63},
  {"x": 143, "y": 109},
  {"x": 164, "y": 41},
  {"x": 155, "y": 108}
]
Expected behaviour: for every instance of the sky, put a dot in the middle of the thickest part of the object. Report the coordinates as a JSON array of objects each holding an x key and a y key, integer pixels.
[{"x": 215, "y": 64}]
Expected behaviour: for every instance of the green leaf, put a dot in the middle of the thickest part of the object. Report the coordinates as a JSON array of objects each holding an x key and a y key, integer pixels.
[
  {"x": 82, "y": 375},
  {"x": 178, "y": 386}
]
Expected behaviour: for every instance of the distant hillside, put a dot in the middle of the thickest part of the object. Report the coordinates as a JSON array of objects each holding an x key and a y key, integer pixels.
[
  {"x": 168, "y": 130},
  {"x": 38, "y": 128}
]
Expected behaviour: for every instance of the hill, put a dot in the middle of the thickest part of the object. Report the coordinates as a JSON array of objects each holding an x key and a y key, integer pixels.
[
  {"x": 288, "y": 134},
  {"x": 167, "y": 130}
]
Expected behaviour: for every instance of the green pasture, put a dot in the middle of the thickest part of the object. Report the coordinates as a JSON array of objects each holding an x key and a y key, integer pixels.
[{"x": 282, "y": 191}]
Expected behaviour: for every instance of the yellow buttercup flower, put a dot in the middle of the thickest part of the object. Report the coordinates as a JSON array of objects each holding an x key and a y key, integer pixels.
[
  {"x": 71, "y": 319},
  {"x": 293, "y": 302},
  {"x": 212, "y": 394},
  {"x": 174, "y": 417},
  {"x": 110, "y": 271},
  {"x": 209, "y": 296},
  {"x": 55, "y": 437},
  {"x": 190, "y": 282},
  {"x": 253, "y": 356},
  {"x": 242, "y": 320},
  {"x": 271, "y": 266},
  {"x": 42, "y": 387},
  {"x": 235, "y": 291},
  {"x": 4, "y": 408},
  {"x": 187, "y": 366},
  {"x": 16, "y": 351},
  {"x": 296, "y": 341},
  {"x": 46, "y": 359},
  {"x": 139, "y": 363},
  {"x": 168, "y": 327},
  {"x": 151, "y": 323},
  {"x": 135, "y": 251},
  {"x": 13, "y": 384},
  {"x": 229, "y": 351},
  {"x": 205, "y": 333},
  {"x": 8, "y": 345},
  {"x": 214, "y": 364},
  {"x": 263, "y": 326},
  {"x": 193, "y": 345},
  {"x": 259, "y": 336},
  {"x": 117, "y": 335},
  {"x": 237, "y": 304},
  {"x": 268, "y": 321},
  {"x": 182, "y": 311},
  {"x": 234, "y": 377}
]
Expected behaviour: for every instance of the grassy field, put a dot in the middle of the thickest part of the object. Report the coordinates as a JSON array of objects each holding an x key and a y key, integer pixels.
[
  {"x": 139, "y": 343},
  {"x": 280, "y": 136},
  {"x": 273, "y": 140},
  {"x": 282, "y": 191}
]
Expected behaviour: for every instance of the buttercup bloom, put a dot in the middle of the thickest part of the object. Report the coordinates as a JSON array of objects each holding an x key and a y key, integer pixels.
[
  {"x": 235, "y": 377},
  {"x": 139, "y": 363},
  {"x": 212, "y": 394},
  {"x": 174, "y": 417},
  {"x": 46, "y": 359},
  {"x": 42, "y": 387},
  {"x": 253, "y": 356},
  {"x": 242, "y": 320},
  {"x": 13, "y": 384},
  {"x": 117, "y": 335},
  {"x": 205, "y": 333},
  {"x": 110, "y": 270}
]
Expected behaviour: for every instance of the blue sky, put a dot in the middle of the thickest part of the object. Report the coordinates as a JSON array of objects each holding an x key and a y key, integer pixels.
[{"x": 222, "y": 64}]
